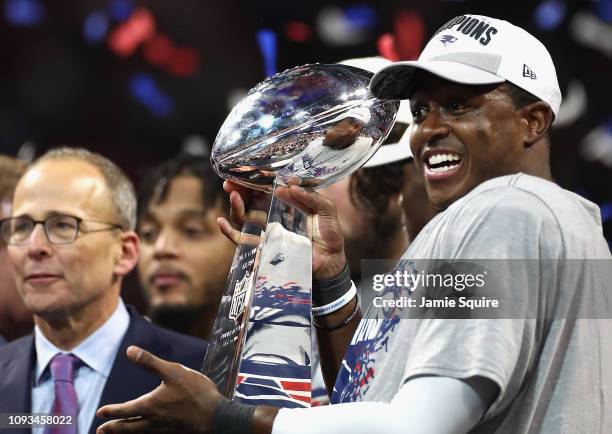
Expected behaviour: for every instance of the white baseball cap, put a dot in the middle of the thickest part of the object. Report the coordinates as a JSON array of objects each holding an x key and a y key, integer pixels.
[
  {"x": 389, "y": 152},
  {"x": 372, "y": 64},
  {"x": 359, "y": 113},
  {"x": 474, "y": 49},
  {"x": 393, "y": 152}
]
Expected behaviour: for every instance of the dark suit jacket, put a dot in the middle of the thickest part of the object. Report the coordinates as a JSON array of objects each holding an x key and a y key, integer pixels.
[{"x": 126, "y": 380}]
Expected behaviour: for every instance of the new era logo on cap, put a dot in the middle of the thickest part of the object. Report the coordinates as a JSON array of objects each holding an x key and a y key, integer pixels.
[{"x": 527, "y": 72}]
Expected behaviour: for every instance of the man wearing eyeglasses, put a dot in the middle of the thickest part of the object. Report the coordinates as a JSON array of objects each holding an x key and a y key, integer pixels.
[{"x": 71, "y": 241}]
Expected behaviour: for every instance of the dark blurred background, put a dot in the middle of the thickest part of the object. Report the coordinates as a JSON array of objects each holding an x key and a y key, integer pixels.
[{"x": 139, "y": 80}]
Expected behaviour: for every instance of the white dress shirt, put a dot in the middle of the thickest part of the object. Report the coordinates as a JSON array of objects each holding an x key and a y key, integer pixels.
[{"x": 97, "y": 353}]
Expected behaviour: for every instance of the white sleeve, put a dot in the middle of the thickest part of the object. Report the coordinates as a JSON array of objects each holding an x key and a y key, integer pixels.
[{"x": 416, "y": 409}]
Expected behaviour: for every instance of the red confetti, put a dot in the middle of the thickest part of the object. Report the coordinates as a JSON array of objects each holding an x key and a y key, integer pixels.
[
  {"x": 126, "y": 37},
  {"x": 297, "y": 31},
  {"x": 386, "y": 47},
  {"x": 184, "y": 62},
  {"x": 409, "y": 34},
  {"x": 158, "y": 50}
]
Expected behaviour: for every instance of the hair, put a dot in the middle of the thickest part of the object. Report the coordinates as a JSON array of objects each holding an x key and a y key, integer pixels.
[
  {"x": 519, "y": 96},
  {"x": 121, "y": 189},
  {"x": 370, "y": 189},
  {"x": 11, "y": 170},
  {"x": 156, "y": 182}
]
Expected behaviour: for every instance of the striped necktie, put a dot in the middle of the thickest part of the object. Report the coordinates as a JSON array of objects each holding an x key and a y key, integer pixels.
[{"x": 65, "y": 403}]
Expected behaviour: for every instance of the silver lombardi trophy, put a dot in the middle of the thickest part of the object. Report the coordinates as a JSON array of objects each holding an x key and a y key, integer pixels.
[{"x": 311, "y": 125}]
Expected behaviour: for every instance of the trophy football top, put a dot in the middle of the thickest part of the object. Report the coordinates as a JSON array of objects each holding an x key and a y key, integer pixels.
[{"x": 310, "y": 125}]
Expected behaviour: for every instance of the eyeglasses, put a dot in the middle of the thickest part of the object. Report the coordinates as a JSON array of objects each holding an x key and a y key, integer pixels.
[{"x": 59, "y": 229}]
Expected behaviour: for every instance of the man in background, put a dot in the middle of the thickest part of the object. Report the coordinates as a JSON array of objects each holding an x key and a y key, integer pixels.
[
  {"x": 370, "y": 203},
  {"x": 15, "y": 319},
  {"x": 384, "y": 205},
  {"x": 71, "y": 241},
  {"x": 184, "y": 260}
]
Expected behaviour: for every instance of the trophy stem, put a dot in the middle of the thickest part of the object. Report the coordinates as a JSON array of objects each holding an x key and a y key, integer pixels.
[
  {"x": 222, "y": 358},
  {"x": 261, "y": 346}
]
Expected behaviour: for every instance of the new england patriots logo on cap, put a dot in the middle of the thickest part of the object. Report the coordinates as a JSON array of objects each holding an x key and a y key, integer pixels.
[{"x": 447, "y": 39}]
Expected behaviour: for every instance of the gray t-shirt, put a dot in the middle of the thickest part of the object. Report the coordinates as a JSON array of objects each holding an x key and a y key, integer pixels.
[{"x": 554, "y": 375}]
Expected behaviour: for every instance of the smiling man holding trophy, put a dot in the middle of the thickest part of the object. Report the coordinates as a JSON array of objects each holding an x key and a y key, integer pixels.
[{"x": 480, "y": 139}]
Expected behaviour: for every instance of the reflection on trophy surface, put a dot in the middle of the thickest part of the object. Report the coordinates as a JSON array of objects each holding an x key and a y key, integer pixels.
[
  {"x": 311, "y": 125},
  {"x": 280, "y": 118},
  {"x": 334, "y": 152}
]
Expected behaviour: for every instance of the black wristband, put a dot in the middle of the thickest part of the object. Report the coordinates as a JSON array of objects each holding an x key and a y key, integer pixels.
[
  {"x": 328, "y": 291},
  {"x": 232, "y": 417}
]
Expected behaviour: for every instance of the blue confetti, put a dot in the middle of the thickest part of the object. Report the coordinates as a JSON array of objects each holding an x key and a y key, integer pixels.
[
  {"x": 120, "y": 10},
  {"x": 603, "y": 8},
  {"x": 266, "y": 39},
  {"x": 608, "y": 125},
  {"x": 24, "y": 13},
  {"x": 606, "y": 211},
  {"x": 95, "y": 27},
  {"x": 361, "y": 16},
  {"x": 144, "y": 88},
  {"x": 550, "y": 13}
]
